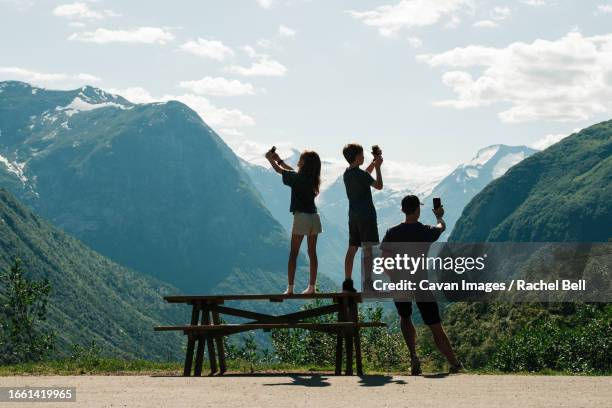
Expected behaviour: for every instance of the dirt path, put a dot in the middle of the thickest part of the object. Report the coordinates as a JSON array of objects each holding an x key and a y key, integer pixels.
[{"x": 292, "y": 391}]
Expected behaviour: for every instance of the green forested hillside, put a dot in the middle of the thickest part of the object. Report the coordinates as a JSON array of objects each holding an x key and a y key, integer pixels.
[
  {"x": 92, "y": 298},
  {"x": 557, "y": 195}
]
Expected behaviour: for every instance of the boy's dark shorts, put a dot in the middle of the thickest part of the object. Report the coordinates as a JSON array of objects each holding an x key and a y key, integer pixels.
[
  {"x": 429, "y": 311},
  {"x": 363, "y": 231}
]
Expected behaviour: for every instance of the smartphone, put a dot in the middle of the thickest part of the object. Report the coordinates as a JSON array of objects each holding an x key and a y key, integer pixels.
[
  {"x": 437, "y": 203},
  {"x": 376, "y": 150}
]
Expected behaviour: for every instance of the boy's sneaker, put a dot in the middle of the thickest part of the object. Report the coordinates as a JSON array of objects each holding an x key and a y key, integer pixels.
[
  {"x": 347, "y": 286},
  {"x": 456, "y": 369},
  {"x": 415, "y": 366}
]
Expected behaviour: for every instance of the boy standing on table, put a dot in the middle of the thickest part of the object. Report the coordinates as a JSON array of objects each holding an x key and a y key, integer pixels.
[{"x": 363, "y": 227}]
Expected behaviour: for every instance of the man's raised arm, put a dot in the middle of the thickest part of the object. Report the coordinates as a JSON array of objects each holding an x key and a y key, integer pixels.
[{"x": 439, "y": 213}]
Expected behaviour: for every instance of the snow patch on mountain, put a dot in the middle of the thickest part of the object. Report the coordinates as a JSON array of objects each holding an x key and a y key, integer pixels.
[
  {"x": 483, "y": 156},
  {"x": 15, "y": 167},
  {"x": 503, "y": 164},
  {"x": 79, "y": 105}
]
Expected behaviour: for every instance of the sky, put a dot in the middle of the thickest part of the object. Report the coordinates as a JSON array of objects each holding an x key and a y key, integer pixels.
[{"x": 431, "y": 82}]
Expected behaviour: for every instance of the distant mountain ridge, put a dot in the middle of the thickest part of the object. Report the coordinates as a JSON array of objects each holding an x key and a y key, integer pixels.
[
  {"x": 559, "y": 194},
  {"x": 456, "y": 189},
  {"x": 468, "y": 179},
  {"x": 149, "y": 185}
]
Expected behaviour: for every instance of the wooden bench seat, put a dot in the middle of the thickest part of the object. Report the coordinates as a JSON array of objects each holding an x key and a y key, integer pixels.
[{"x": 268, "y": 326}]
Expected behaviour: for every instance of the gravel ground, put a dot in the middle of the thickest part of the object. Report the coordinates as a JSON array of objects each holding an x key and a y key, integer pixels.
[{"x": 292, "y": 391}]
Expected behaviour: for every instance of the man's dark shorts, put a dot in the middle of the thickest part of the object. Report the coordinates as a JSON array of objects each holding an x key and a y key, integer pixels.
[
  {"x": 363, "y": 231},
  {"x": 429, "y": 311}
]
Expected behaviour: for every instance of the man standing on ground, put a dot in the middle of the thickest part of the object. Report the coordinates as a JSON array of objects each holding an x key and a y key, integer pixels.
[{"x": 411, "y": 230}]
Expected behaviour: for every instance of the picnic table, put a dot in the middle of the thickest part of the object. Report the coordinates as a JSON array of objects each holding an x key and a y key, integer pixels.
[{"x": 206, "y": 330}]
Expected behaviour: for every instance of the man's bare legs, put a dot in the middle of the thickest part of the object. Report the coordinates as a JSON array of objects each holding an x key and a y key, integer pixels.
[
  {"x": 409, "y": 333},
  {"x": 294, "y": 252},
  {"x": 440, "y": 338},
  {"x": 443, "y": 343},
  {"x": 314, "y": 264}
]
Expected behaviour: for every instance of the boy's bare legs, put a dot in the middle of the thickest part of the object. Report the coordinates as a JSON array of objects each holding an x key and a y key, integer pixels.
[
  {"x": 294, "y": 252},
  {"x": 314, "y": 264},
  {"x": 409, "y": 333},
  {"x": 368, "y": 264},
  {"x": 443, "y": 343},
  {"x": 348, "y": 261},
  {"x": 347, "y": 285}
]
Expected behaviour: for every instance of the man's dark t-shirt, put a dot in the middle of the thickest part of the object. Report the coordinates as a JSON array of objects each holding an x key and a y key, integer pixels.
[
  {"x": 302, "y": 192},
  {"x": 358, "y": 185},
  {"x": 416, "y": 232}
]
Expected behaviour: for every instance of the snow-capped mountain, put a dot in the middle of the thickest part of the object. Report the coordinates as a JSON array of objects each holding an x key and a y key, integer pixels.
[
  {"x": 150, "y": 186},
  {"x": 456, "y": 190},
  {"x": 468, "y": 179}
]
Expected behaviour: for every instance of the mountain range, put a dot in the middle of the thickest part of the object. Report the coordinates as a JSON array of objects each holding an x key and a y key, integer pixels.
[
  {"x": 560, "y": 194},
  {"x": 150, "y": 186},
  {"x": 455, "y": 190}
]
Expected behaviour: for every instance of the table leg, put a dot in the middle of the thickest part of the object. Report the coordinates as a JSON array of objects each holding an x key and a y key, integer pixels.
[
  {"x": 211, "y": 347},
  {"x": 354, "y": 312},
  {"x": 195, "y": 311},
  {"x": 348, "y": 338},
  {"x": 197, "y": 372},
  {"x": 220, "y": 347},
  {"x": 339, "y": 339}
]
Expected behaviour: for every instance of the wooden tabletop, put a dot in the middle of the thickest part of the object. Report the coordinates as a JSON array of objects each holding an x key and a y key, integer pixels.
[{"x": 277, "y": 297}]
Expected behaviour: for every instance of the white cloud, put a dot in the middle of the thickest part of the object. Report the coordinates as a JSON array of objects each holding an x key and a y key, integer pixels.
[
  {"x": 134, "y": 94},
  {"x": 568, "y": 79},
  {"x": 88, "y": 78},
  {"x": 21, "y": 5},
  {"x": 78, "y": 10},
  {"x": 500, "y": 13},
  {"x": 485, "y": 24},
  {"x": 218, "y": 87},
  {"x": 208, "y": 49},
  {"x": 551, "y": 139},
  {"x": 389, "y": 19},
  {"x": 262, "y": 67},
  {"x": 604, "y": 8},
  {"x": 145, "y": 35},
  {"x": 43, "y": 78},
  {"x": 453, "y": 22},
  {"x": 534, "y": 3},
  {"x": 265, "y": 3},
  {"x": 414, "y": 42},
  {"x": 265, "y": 43},
  {"x": 231, "y": 132},
  {"x": 285, "y": 31},
  {"x": 213, "y": 115},
  {"x": 249, "y": 51}
]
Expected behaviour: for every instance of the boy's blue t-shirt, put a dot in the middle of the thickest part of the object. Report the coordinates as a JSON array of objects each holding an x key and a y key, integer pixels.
[{"x": 358, "y": 185}]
